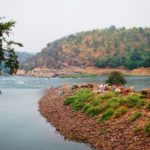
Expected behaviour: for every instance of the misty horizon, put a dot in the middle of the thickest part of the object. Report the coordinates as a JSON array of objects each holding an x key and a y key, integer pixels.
[{"x": 42, "y": 22}]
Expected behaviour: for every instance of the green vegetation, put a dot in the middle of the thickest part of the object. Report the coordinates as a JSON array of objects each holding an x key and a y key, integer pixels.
[
  {"x": 147, "y": 129},
  {"x": 138, "y": 128},
  {"x": 77, "y": 100},
  {"x": 135, "y": 116},
  {"x": 133, "y": 58},
  {"x": 107, "y": 105},
  {"x": 8, "y": 58},
  {"x": 120, "y": 111},
  {"x": 79, "y": 75},
  {"x": 116, "y": 77},
  {"x": 135, "y": 100},
  {"x": 109, "y": 47},
  {"x": 148, "y": 106},
  {"x": 106, "y": 115}
]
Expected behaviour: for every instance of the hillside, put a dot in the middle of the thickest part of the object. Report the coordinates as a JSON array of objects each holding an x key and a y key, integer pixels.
[
  {"x": 110, "y": 47},
  {"x": 24, "y": 56}
]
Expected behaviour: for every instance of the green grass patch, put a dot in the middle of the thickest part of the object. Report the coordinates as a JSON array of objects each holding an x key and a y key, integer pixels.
[
  {"x": 92, "y": 111},
  {"x": 138, "y": 129},
  {"x": 77, "y": 100},
  {"x": 79, "y": 75},
  {"x": 113, "y": 103},
  {"x": 148, "y": 106},
  {"x": 106, "y": 115},
  {"x": 135, "y": 116},
  {"x": 108, "y": 95},
  {"x": 120, "y": 111},
  {"x": 108, "y": 104},
  {"x": 147, "y": 129},
  {"x": 135, "y": 100}
]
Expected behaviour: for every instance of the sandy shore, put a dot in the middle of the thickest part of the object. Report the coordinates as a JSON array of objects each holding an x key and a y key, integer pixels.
[{"x": 112, "y": 135}]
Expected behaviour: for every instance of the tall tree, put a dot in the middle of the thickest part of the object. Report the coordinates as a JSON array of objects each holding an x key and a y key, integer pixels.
[{"x": 7, "y": 53}]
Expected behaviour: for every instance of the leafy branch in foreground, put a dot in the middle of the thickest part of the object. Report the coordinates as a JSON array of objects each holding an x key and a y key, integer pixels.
[{"x": 8, "y": 57}]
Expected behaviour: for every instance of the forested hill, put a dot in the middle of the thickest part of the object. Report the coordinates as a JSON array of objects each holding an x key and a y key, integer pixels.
[{"x": 110, "y": 47}]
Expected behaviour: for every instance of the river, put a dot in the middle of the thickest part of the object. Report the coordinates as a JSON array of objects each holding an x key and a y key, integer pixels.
[{"x": 21, "y": 125}]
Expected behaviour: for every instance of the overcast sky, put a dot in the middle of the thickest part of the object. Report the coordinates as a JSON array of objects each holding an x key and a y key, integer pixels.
[{"x": 42, "y": 21}]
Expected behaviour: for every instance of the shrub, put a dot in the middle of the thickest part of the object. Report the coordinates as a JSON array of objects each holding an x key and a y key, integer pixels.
[
  {"x": 86, "y": 107},
  {"x": 135, "y": 101},
  {"x": 77, "y": 104},
  {"x": 113, "y": 103},
  {"x": 135, "y": 116},
  {"x": 84, "y": 94},
  {"x": 70, "y": 99},
  {"x": 138, "y": 128},
  {"x": 122, "y": 100},
  {"x": 77, "y": 100},
  {"x": 147, "y": 129},
  {"x": 148, "y": 106},
  {"x": 103, "y": 107},
  {"x": 116, "y": 77},
  {"x": 132, "y": 100},
  {"x": 109, "y": 95},
  {"x": 120, "y": 111},
  {"x": 141, "y": 102},
  {"x": 92, "y": 111},
  {"x": 107, "y": 115},
  {"x": 95, "y": 102}
]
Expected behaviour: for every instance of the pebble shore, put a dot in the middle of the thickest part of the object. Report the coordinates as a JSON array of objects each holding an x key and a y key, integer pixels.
[{"x": 112, "y": 135}]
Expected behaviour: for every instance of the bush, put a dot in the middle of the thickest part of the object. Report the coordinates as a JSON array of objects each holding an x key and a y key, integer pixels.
[
  {"x": 135, "y": 116},
  {"x": 84, "y": 94},
  {"x": 92, "y": 111},
  {"x": 113, "y": 103},
  {"x": 132, "y": 100},
  {"x": 138, "y": 128},
  {"x": 95, "y": 102},
  {"x": 116, "y": 78},
  {"x": 109, "y": 95},
  {"x": 103, "y": 107},
  {"x": 77, "y": 100},
  {"x": 77, "y": 105},
  {"x": 70, "y": 99},
  {"x": 141, "y": 102},
  {"x": 122, "y": 100},
  {"x": 147, "y": 129},
  {"x": 107, "y": 115},
  {"x": 86, "y": 107},
  {"x": 120, "y": 111},
  {"x": 135, "y": 101},
  {"x": 148, "y": 106}
]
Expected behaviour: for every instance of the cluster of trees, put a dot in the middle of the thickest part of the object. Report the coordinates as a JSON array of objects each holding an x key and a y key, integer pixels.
[
  {"x": 112, "y": 47},
  {"x": 8, "y": 57},
  {"x": 131, "y": 59}
]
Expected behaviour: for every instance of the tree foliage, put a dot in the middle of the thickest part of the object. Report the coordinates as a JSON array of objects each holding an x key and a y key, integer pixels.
[
  {"x": 8, "y": 57},
  {"x": 116, "y": 78},
  {"x": 109, "y": 47}
]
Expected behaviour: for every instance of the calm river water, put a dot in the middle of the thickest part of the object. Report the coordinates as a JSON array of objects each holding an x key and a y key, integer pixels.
[{"x": 21, "y": 125}]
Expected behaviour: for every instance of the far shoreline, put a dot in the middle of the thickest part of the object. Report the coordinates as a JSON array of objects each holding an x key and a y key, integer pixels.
[{"x": 77, "y": 72}]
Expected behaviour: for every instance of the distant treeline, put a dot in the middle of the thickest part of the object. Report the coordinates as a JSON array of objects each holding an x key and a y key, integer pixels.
[{"x": 133, "y": 58}]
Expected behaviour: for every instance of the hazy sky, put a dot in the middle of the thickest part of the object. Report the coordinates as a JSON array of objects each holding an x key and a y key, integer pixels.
[{"x": 42, "y": 21}]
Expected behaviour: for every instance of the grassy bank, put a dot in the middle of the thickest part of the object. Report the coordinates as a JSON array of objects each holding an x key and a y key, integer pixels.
[
  {"x": 111, "y": 106},
  {"x": 79, "y": 75}
]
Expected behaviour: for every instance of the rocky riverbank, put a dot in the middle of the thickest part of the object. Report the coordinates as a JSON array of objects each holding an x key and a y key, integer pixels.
[
  {"x": 116, "y": 134},
  {"x": 46, "y": 72}
]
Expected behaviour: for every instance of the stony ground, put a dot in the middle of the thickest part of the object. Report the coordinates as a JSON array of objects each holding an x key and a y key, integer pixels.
[{"x": 116, "y": 134}]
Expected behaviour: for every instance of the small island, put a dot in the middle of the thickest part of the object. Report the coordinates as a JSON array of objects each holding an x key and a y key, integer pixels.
[{"x": 109, "y": 116}]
